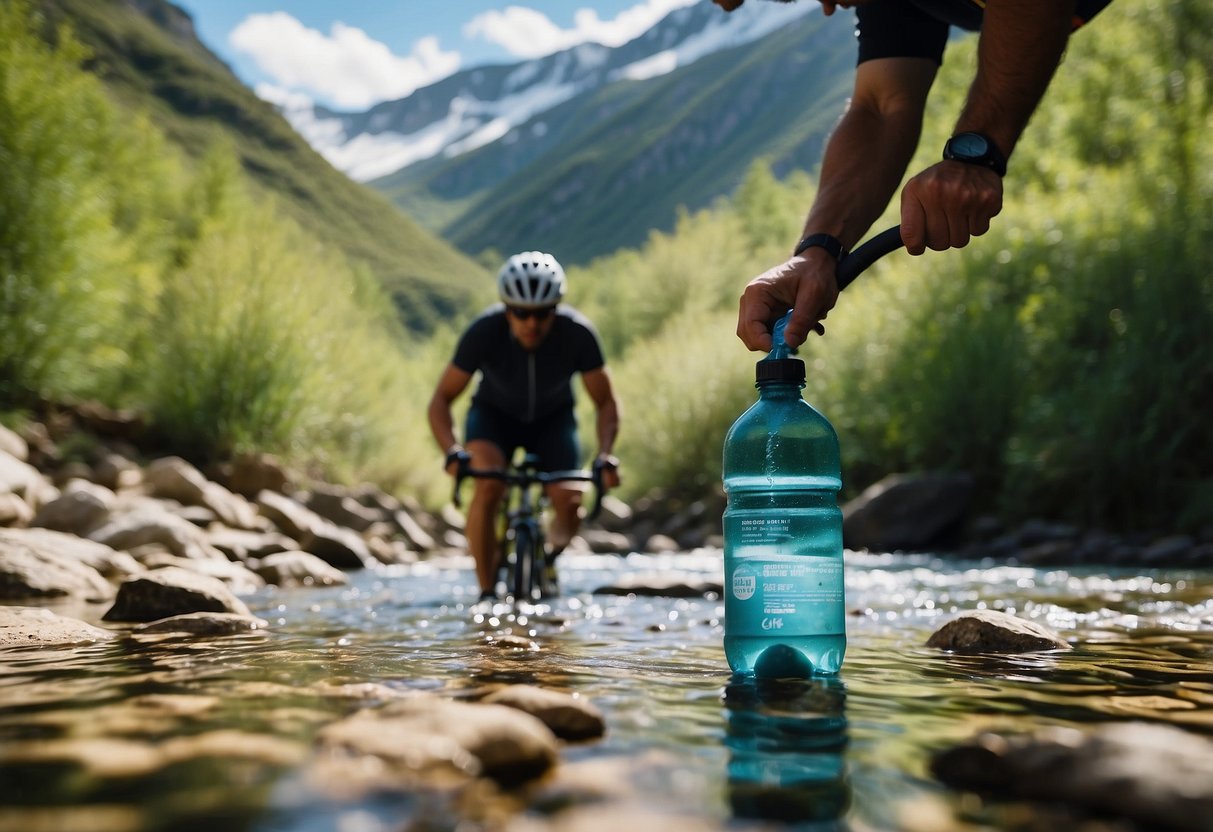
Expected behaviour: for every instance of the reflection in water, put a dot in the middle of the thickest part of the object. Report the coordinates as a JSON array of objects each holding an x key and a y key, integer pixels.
[{"x": 786, "y": 739}]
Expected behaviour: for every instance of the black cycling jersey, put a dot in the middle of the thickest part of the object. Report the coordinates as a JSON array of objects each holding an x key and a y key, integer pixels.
[
  {"x": 919, "y": 28},
  {"x": 528, "y": 385}
]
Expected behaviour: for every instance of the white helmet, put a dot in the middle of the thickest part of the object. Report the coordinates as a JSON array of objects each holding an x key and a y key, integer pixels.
[{"x": 531, "y": 279}]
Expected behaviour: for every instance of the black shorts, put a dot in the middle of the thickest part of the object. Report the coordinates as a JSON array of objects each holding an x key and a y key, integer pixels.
[{"x": 553, "y": 438}]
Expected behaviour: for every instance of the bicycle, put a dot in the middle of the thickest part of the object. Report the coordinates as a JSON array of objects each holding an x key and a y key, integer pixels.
[{"x": 523, "y": 558}]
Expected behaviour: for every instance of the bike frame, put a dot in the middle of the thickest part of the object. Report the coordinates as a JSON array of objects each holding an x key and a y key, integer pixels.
[{"x": 521, "y": 542}]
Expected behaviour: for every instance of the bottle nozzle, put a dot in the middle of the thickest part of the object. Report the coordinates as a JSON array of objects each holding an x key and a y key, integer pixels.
[
  {"x": 779, "y": 365},
  {"x": 779, "y": 344}
]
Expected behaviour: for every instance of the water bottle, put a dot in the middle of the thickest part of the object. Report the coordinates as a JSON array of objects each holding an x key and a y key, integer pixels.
[{"x": 783, "y": 579}]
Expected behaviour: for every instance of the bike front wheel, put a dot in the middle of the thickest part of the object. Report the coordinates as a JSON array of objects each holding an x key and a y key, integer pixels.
[{"x": 524, "y": 564}]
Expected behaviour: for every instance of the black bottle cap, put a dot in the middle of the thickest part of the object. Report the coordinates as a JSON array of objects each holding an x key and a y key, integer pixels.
[{"x": 789, "y": 370}]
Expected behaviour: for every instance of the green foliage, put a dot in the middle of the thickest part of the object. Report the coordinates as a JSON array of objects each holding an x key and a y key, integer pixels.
[
  {"x": 149, "y": 61},
  {"x": 127, "y": 276},
  {"x": 681, "y": 390},
  {"x": 80, "y": 239},
  {"x": 1063, "y": 358}
]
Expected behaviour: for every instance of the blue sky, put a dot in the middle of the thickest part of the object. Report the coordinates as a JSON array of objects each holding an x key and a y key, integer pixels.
[{"x": 352, "y": 55}]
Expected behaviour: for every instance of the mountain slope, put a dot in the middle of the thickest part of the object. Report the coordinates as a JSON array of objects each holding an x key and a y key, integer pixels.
[
  {"x": 589, "y": 149},
  {"x": 146, "y": 52},
  {"x": 642, "y": 149}
]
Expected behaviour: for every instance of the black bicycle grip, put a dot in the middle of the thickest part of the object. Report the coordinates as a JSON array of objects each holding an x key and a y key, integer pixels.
[{"x": 854, "y": 263}]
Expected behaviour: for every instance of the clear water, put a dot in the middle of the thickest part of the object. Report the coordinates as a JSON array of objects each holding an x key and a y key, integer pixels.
[{"x": 848, "y": 752}]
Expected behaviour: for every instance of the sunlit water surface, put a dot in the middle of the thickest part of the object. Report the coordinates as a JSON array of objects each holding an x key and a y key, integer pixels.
[{"x": 849, "y": 753}]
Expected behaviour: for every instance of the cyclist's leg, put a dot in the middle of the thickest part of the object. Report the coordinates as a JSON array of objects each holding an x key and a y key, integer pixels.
[
  {"x": 487, "y": 440},
  {"x": 556, "y": 442}
]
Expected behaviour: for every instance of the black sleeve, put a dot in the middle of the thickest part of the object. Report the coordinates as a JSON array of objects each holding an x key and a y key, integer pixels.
[
  {"x": 589, "y": 352},
  {"x": 470, "y": 349},
  {"x": 898, "y": 29}
]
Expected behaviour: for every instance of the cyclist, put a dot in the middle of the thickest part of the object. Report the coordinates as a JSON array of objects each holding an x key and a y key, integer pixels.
[
  {"x": 901, "y": 45},
  {"x": 527, "y": 349}
]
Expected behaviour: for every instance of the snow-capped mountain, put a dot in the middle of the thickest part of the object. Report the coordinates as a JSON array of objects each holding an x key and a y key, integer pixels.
[{"x": 477, "y": 107}]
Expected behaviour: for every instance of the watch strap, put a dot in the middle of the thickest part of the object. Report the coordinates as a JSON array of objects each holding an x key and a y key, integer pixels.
[
  {"x": 993, "y": 158},
  {"x": 827, "y": 241}
]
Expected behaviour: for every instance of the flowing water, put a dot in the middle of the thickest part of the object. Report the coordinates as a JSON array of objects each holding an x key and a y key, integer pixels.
[{"x": 848, "y": 753}]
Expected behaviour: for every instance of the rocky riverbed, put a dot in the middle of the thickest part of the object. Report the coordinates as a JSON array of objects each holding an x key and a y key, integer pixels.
[{"x": 121, "y": 551}]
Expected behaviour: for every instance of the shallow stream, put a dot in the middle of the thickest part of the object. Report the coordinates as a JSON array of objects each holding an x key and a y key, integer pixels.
[{"x": 849, "y": 753}]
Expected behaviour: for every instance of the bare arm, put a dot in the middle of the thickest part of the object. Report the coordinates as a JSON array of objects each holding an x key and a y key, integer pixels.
[
  {"x": 1021, "y": 45},
  {"x": 452, "y": 383},
  {"x": 867, "y": 154},
  {"x": 865, "y": 160},
  {"x": 598, "y": 386}
]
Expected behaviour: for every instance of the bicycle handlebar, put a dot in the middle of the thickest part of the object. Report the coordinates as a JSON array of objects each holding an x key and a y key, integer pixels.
[
  {"x": 525, "y": 478},
  {"x": 853, "y": 264}
]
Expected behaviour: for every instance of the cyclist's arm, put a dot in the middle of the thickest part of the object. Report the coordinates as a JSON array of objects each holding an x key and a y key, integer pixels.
[
  {"x": 452, "y": 383},
  {"x": 598, "y": 386},
  {"x": 1021, "y": 45},
  {"x": 870, "y": 149},
  {"x": 865, "y": 160},
  {"x": 1020, "y": 48}
]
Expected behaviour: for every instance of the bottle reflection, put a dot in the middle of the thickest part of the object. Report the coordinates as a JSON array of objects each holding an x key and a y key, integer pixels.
[{"x": 787, "y": 738}]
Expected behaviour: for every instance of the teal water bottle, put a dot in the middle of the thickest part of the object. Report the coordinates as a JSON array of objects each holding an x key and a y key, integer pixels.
[{"x": 783, "y": 577}]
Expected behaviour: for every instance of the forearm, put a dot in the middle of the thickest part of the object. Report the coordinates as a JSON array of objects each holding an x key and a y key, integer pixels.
[
  {"x": 867, "y": 154},
  {"x": 607, "y": 426},
  {"x": 442, "y": 426},
  {"x": 864, "y": 163},
  {"x": 1021, "y": 45}
]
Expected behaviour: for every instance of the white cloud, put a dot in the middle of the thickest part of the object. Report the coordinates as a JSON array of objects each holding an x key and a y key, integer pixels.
[
  {"x": 527, "y": 33},
  {"x": 345, "y": 68}
]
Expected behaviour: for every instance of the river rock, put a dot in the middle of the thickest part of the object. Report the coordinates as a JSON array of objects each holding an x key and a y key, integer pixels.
[
  {"x": 117, "y": 473},
  {"x": 238, "y": 577},
  {"x": 570, "y": 717},
  {"x": 418, "y": 538},
  {"x": 662, "y": 585},
  {"x": 149, "y": 522},
  {"x": 338, "y": 507},
  {"x": 1157, "y": 775},
  {"x": 203, "y": 624},
  {"x": 14, "y": 511},
  {"x": 32, "y": 626},
  {"x": 243, "y": 545},
  {"x": 611, "y": 817},
  {"x": 290, "y": 516},
  {"x": 172, "y": 591},
  {"x": 425, "y": 734},
  {"x": 250, "y": 474},
  {"x": 16, "y": 475},
  {"x": 122, "y": 758},
  {"x": 342, "y": 548},
  {"x": 296, "y": 568},
  {"x": 603, "y": 542},
  {"x": 173, "y": 478},
  {"x": 905, "y": 511},
  {"x": 80, "y": 507},
  {"x": 33, "y": 572},
  {"x": 110, "y": 563},
  {"x": 13, "y": 445},
  {"x": 990, "y": 631}
]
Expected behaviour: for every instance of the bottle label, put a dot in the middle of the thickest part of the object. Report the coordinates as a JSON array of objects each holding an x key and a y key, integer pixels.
[
  {"x": 784, "y": 575},
  {"x": 796, "y": 596}
]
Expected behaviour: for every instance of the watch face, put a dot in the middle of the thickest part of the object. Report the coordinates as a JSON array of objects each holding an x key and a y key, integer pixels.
[{"x": 969, "y": 145}]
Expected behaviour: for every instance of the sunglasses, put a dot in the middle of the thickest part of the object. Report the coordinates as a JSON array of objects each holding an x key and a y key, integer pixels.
[{"x": 541, "y": 314}]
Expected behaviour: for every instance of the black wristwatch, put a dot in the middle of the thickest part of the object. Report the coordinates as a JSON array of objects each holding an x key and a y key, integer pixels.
[
  {"x": 827, "y": 241},
  {"x": 975, "y": 149}
]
